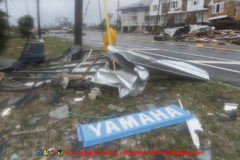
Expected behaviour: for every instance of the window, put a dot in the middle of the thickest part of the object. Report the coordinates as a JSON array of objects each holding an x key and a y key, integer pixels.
[
  {"x": 155, "y": 8},
  {"x": 147, "y": 18},
  {"x": 173, "y": 4},
  {"x": 217, "y": 8},
  {"x": 195, "y": 2},
  {"x": 134, "y": 18},
  {"x": 235, "y": 11}
]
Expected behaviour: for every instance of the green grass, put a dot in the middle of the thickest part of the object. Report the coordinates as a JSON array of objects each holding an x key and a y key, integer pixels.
[
  {"x": 53, "y": 47},
  {"x": 56, "y": 46},
  {"x": 14, "y": 48},
  {"x": 197, "y": 97}
]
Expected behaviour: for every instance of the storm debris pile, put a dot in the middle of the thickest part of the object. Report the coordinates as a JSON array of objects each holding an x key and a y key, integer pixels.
[{"x": 200, "y": 34}]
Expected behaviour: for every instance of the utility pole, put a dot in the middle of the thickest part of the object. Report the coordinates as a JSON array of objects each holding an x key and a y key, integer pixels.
[
  {"x": 78, "y": 22},
  {"x": 166, "y": 15},
  {"x": 99, "y": 5},
  {"x": 118, "y": 4},
  {"x": 157, "y": 18},
  {"x": 38, "y": 19},
  {"x": 6, "y": 5}
]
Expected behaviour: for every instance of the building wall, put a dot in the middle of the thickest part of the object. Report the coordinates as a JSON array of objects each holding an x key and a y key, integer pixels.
[
  {"x": 230, "y": 9},
  {"x": 238, "y": 13},
  {"x": 155, "y": 12},
  {"x": 194, "y": 7},
  {"x": 179, "y": 7},
  {"x": 133, "y": 19}
]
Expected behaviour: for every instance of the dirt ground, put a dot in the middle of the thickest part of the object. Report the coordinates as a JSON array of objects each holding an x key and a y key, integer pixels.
[
  {"x": 31, "y": 112},
  {"x": 204, "y": 99}
]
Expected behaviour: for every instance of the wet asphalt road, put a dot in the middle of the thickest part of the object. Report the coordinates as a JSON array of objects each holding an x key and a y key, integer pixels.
[{"x": 222, "y": 62}]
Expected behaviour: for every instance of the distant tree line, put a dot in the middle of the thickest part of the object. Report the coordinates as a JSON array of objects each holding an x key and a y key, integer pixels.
[{"x": 3, "y": 30}]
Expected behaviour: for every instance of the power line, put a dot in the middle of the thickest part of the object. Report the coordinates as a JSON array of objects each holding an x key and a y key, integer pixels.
[{"x": 86, "y": 10}]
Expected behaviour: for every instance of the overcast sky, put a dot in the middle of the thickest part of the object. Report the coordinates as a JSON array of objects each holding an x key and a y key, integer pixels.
[{"x": 51, "y": 9}]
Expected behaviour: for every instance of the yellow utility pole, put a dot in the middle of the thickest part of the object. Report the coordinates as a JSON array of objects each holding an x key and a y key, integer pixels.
[{"x": 110, "y": 38}]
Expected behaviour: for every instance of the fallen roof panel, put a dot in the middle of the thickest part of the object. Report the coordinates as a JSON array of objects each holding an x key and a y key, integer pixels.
[{"x": 164, "y": 66}]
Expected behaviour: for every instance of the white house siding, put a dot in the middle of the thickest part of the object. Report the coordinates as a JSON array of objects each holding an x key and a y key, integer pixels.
[
  {"x": 152, "y": 12},
  {"x": 195, "y": 5},
  {"x": 202, "y": 16}
]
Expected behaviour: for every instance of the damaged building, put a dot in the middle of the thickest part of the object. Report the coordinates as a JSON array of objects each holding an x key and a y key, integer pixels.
[
  {"x": 145, "y": 15},
  {"x": 224, "y": 14}
]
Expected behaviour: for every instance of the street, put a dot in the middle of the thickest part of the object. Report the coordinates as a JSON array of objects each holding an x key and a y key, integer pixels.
[{"x": 222, "y": 62}]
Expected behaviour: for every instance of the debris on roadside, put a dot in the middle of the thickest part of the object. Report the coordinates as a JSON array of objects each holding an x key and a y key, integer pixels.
[
  {"x": 229, "y": 107},
  {"x": 60, "y": 112},
  {"x": 200, "y": 34},
  {"x": 28, "y": 132},
  {"x": 207, "y": 148},
  {"x": 230, "y": 112},
  {"x": 6, "y": 112},
  {"x": 34, "y": 120},
  {"x": 226, "y": 117},
  {"x": 95, "y": 92},
  {"x": 116, "y": 108},
  {"x": 164, "y": 89},
  {"x": 79, "y": 99},
  {"x": 14, "y": 157},
  {"x": 120, "y": 127},
  {"x": 193, "y": 125},
  {"x": 129, "y": 79}
]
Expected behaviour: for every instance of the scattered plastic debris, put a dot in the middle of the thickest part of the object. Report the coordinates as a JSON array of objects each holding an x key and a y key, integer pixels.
[
  {"x": 164, "y": 89},
  {"x": 34, "y": 120},
  {"x": 230, "y": 107},
  {"x": 227, "y": 117},
  {"x": 6, "y": 112},
  {"x": 193, "y": 126},
  {"x": 114, "y": 107},
  {"x": 79, "y": 99},
  {"x": 207, "y": 148},
  {"x": 60, "y": 113},
  {"x": 27, "y": 132},
  {"x": 14, "y": 157},
  {"x": 29, "y": 84},
  {"x": 95, "y": 92},
  {"x": 210, "y": 114}
]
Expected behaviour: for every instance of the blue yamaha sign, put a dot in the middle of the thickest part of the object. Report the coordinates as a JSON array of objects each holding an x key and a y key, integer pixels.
[{"x": 120, "y": 127}]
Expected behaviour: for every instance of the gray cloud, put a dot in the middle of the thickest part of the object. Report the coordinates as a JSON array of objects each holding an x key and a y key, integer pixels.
[{"x": 51, "y": 9}]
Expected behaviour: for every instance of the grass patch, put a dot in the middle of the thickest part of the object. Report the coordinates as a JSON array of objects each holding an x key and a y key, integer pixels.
[
  {"x": 56, "y": 46},
  {"x": 199, "y": 97},
  {"x": 53, "y": 47}
]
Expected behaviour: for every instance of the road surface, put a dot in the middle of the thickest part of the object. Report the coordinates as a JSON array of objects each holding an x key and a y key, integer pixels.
[{"x": 222, "y": 62}]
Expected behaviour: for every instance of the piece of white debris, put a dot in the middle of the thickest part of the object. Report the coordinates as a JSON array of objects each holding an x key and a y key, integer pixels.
[
  {"x": 193, "y": 126},
  {"x": 29, "y": 84},
  {"x": 6, "y": 112},
  {"x": 79, "y": 99},
  {"x": 230, "y": 106},
  {"x": 210, "y": 114}
]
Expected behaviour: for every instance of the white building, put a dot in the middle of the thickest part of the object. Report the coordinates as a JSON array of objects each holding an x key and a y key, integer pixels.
[{"x": 142, "y": 16}]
